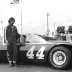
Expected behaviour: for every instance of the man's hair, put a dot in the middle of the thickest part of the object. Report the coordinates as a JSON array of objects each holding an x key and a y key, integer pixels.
[{"x": 11, "y": 18}]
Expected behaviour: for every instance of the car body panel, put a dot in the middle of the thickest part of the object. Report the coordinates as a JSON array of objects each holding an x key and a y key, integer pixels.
[{"x": 36, "y": 44}]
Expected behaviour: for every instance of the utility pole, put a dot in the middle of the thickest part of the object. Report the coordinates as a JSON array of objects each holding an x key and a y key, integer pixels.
[
  {"x": 1, "y": 25},
  {"x": 21, "y": 16},
  {"x": 17, "y": 2},
  {"x": 54, "y": 28},
  {"x": 47, "y": 25}
]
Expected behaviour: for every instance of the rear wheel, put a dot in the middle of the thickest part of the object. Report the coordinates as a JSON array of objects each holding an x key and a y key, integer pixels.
[{"x": 60, "y": 57}]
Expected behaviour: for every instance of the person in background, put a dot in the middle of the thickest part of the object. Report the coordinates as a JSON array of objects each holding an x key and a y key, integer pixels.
[
  {"x": 68, "y": 37},
  {"x": 10, "y": 36}
]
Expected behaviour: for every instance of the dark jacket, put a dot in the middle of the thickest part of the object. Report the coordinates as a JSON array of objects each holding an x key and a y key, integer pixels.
[{"x": 11, "y": 33}]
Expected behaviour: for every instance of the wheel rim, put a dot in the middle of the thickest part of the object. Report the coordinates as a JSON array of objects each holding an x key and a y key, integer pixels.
[{"x": 59, "y": 57}]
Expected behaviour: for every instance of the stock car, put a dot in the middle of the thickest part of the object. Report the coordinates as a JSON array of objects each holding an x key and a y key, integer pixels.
[{"x": 35, "y": 49}]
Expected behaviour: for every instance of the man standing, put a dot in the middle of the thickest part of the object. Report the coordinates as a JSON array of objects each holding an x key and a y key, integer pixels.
[{"x": 10, "y": 35}]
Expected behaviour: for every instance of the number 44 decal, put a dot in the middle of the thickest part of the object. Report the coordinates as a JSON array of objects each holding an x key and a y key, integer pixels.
[
  {"x": 30, "y": 54},
  {"x": 39, "y": 54}
]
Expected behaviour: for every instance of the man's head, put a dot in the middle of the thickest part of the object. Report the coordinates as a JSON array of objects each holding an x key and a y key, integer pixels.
[{"x": 11, "y": 20}]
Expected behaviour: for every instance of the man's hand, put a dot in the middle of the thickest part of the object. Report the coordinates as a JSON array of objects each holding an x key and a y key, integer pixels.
[{"x": 6, "y": 41}]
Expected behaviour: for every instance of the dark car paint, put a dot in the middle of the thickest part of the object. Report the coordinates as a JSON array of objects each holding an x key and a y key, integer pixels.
[{"x": 24, "y": 48}]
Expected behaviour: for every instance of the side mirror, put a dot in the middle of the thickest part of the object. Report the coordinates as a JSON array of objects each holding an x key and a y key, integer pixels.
[{"x": 23, "y": 39}]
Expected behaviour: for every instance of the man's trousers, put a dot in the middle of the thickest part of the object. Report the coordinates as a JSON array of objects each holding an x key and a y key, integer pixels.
[{"x": 12, "y": 51}]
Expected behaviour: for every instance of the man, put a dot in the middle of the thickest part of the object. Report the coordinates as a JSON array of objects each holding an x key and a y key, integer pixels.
[{"x": 10, "y": 35}]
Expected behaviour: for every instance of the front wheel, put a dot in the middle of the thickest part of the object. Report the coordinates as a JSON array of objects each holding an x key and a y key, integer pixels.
[{"x": 60, "y": 57}]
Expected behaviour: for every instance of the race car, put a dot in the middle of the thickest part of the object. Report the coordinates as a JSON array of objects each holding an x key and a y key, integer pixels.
[{"x": 36, "y": 49}]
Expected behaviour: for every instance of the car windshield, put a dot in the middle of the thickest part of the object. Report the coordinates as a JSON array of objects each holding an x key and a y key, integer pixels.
[{"x": 35, "y": 39}]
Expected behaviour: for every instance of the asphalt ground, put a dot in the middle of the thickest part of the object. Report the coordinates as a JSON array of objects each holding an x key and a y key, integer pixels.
[{"x": 30, "y": 68}]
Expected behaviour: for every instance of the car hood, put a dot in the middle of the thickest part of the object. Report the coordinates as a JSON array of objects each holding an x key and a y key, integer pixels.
[{"x": 35, "y": 39}]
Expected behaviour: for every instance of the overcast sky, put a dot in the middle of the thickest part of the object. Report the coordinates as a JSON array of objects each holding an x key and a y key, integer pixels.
[{"x": 34, "y": 19}]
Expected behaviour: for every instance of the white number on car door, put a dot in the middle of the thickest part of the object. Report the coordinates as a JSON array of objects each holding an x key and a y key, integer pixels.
[
  {"x": 30, "y": 54},
  {"x": 39, "y": 54}
]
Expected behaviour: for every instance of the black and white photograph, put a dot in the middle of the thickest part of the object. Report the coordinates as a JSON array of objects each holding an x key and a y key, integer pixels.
[{"x": 35, "y": 36}]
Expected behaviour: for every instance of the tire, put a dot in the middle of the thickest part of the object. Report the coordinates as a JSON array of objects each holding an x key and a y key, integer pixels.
[{"x": 60, "y": 57}]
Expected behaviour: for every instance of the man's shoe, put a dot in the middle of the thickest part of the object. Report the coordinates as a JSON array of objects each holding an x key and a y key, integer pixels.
[
  {"x": 14, "y": 64},
  {"x": 10, "y": 64}
]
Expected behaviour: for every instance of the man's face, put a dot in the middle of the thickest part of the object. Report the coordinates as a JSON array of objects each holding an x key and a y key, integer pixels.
[{"x": 11, "y": 22}]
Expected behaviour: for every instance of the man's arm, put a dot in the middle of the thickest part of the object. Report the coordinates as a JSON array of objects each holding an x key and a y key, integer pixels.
[
  {"x": 17, "y": 34},
  {"x": 5, "y": 35}
]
